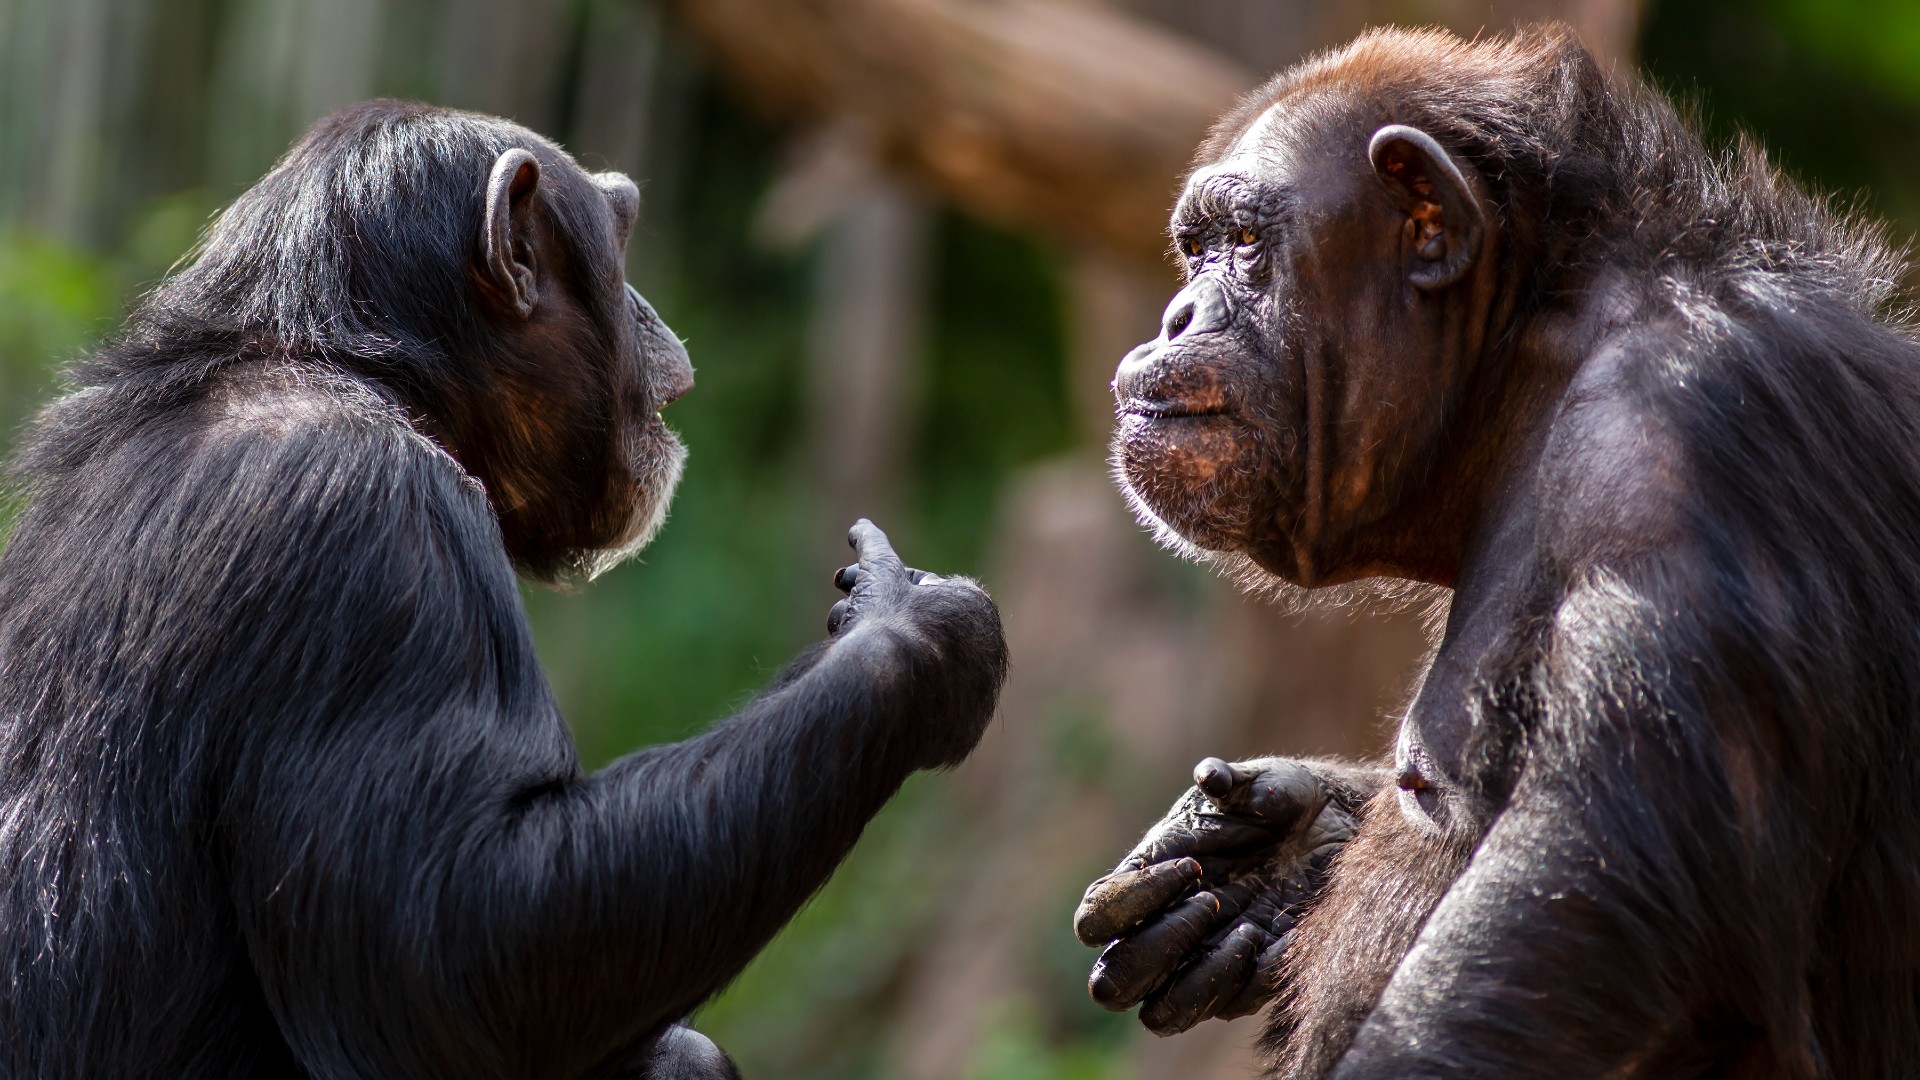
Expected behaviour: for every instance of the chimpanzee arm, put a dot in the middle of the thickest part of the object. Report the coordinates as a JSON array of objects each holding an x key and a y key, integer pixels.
[
  {"x": 428, "y": 883},
  {"x": 1618, "y": 877}
]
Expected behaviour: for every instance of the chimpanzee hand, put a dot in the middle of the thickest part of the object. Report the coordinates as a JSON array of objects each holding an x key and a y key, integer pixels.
[
  {"x": 879, "y": 581},
  {"x": 949, "y": 625},
  {"x": 1195, "y": 918}
]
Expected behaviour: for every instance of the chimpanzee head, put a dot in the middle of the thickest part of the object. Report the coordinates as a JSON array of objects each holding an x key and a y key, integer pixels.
[
  {"x": 475, "y": 271},
  {"x": 1342, "y": 269}
]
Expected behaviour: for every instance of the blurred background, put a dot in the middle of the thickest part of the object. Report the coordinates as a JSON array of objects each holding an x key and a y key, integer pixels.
[{"x": 906, "y": 241}]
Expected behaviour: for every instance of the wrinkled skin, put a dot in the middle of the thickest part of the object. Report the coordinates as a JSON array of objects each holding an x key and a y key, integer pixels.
[
  {"x": 1280, "y": 418},
  {"x": 1485, "y": 318},
  {"x": 1194, "y": 920},
  {"x": 1284, "y": 447}
]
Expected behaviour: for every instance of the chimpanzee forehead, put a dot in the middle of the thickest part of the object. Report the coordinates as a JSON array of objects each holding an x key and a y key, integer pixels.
[
  {"x": 1234, "y": 189},
  {"x": 1252, "y": 177},
  {"x": 1301, "y": 147},
  {"x": 1268, "y": 130}
]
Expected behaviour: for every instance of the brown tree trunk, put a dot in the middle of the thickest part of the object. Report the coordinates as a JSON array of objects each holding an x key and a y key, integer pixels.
[
  {"x": 1070, "y": 117},
  {"x": 1064, "y": 117}
]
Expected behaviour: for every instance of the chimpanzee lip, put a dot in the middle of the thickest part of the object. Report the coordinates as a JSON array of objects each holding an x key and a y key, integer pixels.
[{"x": 1171, "y": 410}]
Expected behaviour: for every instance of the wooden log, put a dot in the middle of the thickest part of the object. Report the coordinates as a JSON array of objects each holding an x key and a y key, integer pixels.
[{"x": 1071, "y": 118}]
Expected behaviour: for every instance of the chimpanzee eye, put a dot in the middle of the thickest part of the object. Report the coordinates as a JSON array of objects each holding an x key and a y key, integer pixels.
[
  {"x": 1247, "y": 237},
  {"x": 1192, "y": 246}
]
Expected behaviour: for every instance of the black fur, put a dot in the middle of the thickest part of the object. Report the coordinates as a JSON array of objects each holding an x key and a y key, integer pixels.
[
  {"x": 1481, "y": 316},
  {"x": 1697, "y": 848},
  {"x": 283, "y": 790}
]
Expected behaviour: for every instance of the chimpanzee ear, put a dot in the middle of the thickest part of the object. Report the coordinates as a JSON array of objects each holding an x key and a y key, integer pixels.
[
  {"x": 508, "y": 239},
  {"x": 1445, "y": 222}
]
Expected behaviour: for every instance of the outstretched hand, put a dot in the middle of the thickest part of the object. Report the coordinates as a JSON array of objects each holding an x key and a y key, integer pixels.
[
  {"x": 942, "y": 634},
  {"x": 1194, "y": 919},
  {"x": 878, "y": 580}
]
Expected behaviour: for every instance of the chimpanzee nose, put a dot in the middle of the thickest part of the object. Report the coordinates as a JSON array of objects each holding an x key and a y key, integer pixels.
[{"x": 1200, "y": 308}]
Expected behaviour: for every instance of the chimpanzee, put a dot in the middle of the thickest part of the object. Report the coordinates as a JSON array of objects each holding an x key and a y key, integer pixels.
[
  {"x": 1484, "y": 317},
  {"x": 283, "y": 791}
]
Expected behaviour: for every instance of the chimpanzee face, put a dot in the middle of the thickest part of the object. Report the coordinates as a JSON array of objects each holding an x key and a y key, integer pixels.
[
  {"x": 583, "y": 464},
  {"x": 1300, "y": 377},
  {"x": 653, "y": 370}
]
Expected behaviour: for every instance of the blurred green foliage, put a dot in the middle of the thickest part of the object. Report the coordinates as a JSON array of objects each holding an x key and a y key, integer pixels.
[
  {"x": 1832, "y": 89},
  {"x": 57, "y": 299}
]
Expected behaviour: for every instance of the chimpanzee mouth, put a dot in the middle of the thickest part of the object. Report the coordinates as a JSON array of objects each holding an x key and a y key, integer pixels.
[{"x": 1162, "y": 410}]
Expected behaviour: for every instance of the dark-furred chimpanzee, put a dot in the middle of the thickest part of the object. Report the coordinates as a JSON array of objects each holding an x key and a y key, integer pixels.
[
  {"x": 1485, "y": 317},
  {"x": 283, "y": 791}
]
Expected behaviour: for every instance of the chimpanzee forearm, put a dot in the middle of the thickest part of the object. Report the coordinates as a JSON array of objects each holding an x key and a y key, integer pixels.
[
  {"x": 784, "y": 789},
  {"x": 512, "y": 915}
]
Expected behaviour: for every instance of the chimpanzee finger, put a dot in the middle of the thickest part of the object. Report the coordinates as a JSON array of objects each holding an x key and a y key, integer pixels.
[
  {"x": 875, "y": 550},
  {"x": 846, "y": 578},
  {"x": 1207, "y": 834},
  {"x": 1198, "y": 990},
  {"x": 1277, "y": 794},
  {"x": 1214, "y": 777},
  {"x": 837, "y": 615},
  {"x": 1222, "y": 868},
  {"x": 1134, "y": 965},
  {"x": 1234, "y": 896},
  {"x": 1261, "y": 986},
  {"x": 1125, "y": 898}
]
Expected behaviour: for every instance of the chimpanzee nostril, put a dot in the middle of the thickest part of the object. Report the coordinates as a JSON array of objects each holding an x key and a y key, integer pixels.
[
  {"x": 1179, "y": 319},
  {"x": 1200, "y": 308}
]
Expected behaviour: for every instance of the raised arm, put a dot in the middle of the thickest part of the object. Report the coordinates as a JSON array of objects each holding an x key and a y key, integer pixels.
[{"x": 429, "y": 884}]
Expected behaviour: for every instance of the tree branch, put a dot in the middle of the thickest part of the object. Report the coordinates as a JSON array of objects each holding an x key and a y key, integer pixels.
[{"x": 1037, "y": 114}]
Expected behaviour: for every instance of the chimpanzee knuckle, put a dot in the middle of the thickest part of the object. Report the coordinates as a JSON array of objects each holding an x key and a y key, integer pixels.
[
  {"x": 1167, "y": 841},
  {"x": 1133, "y": 966},
  {"x": 1229, "y": 836},
  {"x": 959, "y": 619},
  {"x": 1207, "y": 982},
  {"x": 685, "y": 1054},
  {"x": 962, "y": 597},
  {"x": 1165, "y": 1014},
  {"x": 1262, "y": 985}
]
